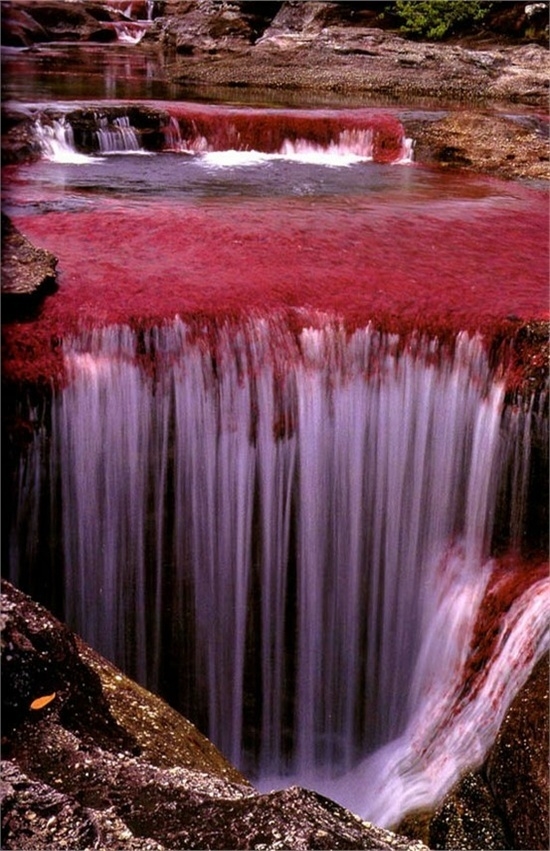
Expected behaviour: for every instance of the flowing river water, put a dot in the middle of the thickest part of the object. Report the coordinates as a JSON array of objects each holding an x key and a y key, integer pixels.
[{"x": 280, "y": 469}]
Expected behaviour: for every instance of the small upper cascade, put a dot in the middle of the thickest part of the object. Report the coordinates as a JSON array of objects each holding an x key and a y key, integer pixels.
[
  {"x": 116, "y": 136},
  {"x": 129, "y": 33},
  {"x": 350, "y": 135},
  {"x": 138, "y": 10},
  {"x": 56, "y": 140}
]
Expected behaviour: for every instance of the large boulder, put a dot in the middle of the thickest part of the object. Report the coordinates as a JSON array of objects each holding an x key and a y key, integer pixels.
[
  {"x": 493, "y": 144},
  {"x": 91, "y": 759},
  {"x": 206, "y": 25}
]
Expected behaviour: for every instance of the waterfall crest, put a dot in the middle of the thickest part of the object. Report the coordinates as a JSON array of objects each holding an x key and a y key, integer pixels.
[{"x": 286, "y": 532}]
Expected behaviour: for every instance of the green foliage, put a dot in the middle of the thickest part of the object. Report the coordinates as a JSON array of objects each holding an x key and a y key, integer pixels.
[{"x": 436, "y": 19}]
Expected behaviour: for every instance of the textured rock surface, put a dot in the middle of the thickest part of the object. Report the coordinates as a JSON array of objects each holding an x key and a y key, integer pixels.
[
  {"x": 25, "y": 22},
  {"x": 517, "y": 767},
  {"x": 493, "y": 144},
  {"x": 505, "y": 804},
  {"x": 28, "y": 273},
  {"x": 102, "y": 763},
  {"x": 346, "y": 48},
  {"x": 468, "y": 818}
]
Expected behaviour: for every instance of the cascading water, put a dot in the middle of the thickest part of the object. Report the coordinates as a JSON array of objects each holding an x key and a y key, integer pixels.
[
  {"x": 56, "y": 141},
  {"x": 116, "y": 136},
  {"x": 360, "y": 134},
  {"x": 288, "y": 533}
]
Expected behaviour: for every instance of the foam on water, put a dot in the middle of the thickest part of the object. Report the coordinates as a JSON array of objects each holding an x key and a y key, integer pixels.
[{"x": 56, "y": 141}]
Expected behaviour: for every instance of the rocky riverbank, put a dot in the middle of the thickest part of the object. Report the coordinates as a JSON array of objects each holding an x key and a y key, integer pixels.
[
  {"x": 332, "y": 46},
  {"x": 92, "y": 760}
]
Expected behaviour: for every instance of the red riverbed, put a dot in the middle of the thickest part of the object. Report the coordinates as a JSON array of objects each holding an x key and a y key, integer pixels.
[{"x": 440, "y": 267}]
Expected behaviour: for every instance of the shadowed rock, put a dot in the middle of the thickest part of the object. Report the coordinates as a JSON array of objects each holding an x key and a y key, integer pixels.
[
  {"x": 517, "y": 767},
  {"x": 103, "y": 763},
  {"x": 504, "y": 804}
]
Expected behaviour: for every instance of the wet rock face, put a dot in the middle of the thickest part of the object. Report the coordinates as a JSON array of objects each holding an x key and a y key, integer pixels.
[
  {"x": 468, "y": 819},
  {"x": 505, "y": 803},
  {"x": 25, "y": 22},
  {"x": 517, "y": 767},
  {"x": 102, "y": 763},
  {"x": 40, "y": 659}
]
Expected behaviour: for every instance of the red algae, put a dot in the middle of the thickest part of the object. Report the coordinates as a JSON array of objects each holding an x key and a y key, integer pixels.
[
  {"x": 511, "y": 577},
  {"x": 268, "y": 129},
  {"x": 437, "y": 269}
]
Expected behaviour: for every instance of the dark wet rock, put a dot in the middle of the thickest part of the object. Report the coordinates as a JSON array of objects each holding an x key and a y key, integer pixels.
[
  {"x": 517, "y": 767},
  {"x": 207, "y": 26},
  {"x": 19, "y": 142},
  {"x": 19, "y": 28},
  {"x": 25, "y": 22},
  {"x": 100, "y": 762},
  {"x": 28, "y": 273},
  {"x": 505, "y": 803},
  {"x": 468, "y": 819}
]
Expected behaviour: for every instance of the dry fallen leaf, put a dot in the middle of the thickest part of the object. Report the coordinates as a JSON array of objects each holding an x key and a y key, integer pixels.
[{"x": 40, "y": 702}]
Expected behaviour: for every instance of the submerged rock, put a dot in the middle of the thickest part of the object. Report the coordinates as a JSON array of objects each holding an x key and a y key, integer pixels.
[{"x": 100, "y": 762}]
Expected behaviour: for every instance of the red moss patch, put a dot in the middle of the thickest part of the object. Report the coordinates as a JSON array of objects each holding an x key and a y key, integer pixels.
[
  {"x": 511, "y": 578},
  {"x": 438, "y": 269}
]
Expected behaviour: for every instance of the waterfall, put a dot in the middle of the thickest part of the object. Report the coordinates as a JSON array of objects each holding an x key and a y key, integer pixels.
[
  {"x": 336, "y": 137},
  {"x": 56, "y": 138},
  {"x": 288, "y": 534},
  {"x": 56, "y": 141},
  {"x": 116, "y": 136},
  {"x": 361, "y": 133}
]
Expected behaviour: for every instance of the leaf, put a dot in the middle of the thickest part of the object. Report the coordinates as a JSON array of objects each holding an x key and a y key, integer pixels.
[{"x": 41, "y": 702}]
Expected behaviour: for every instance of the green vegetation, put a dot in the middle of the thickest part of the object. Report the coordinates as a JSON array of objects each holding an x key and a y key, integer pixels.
[{"x": 437, "y": 19}]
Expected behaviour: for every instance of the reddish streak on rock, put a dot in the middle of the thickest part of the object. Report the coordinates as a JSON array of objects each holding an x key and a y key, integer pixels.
[
  {"x": 439, "y": 268},
  {"x": 511, "y": 578}
]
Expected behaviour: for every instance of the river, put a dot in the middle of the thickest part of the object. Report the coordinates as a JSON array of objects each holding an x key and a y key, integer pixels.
[{"x": 284, "y": 462}]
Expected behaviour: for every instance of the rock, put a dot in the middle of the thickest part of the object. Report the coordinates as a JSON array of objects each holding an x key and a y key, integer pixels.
[
  {"x": 19, "y": 28},
  {"x": 488, "y": 143},
  {"x": 28, "y": 273},
  {"x": 102, "y": 763},
  {"x": 26, "y": 22},
  {"x": 517, "y": 767},
  {"x": 207, "y": 26},
  {"x": 468, "y": 819},
  {"x": 505, "y": 803},
  {"x": 345, "y": 47},
  {"x": 19, "y": 143}
]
